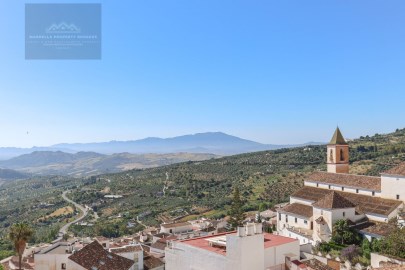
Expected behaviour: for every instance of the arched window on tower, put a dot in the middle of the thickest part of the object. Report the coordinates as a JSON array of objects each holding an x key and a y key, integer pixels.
[
  {"x": 331, "y": 156},
  {"x": 342, "y": 157}
]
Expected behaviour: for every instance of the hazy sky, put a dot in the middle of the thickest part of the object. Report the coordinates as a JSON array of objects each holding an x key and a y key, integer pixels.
[{"x": 270, "y": 71}]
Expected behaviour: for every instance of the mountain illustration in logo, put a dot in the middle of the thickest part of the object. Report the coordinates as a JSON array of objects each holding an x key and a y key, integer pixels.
[{"x": 63, "y": 28}]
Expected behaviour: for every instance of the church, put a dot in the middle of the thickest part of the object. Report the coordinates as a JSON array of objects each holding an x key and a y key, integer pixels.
[{"x": 327, "y": 197}]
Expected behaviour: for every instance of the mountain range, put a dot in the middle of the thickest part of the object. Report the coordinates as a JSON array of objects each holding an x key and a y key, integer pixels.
[
  {"x": 84, "y": 159},
  {"x": 217, "y": 143}
]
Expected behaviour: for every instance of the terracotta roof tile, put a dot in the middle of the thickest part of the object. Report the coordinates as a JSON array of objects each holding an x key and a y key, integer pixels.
[
  {"x": 94, "y": 256},
  {"x": 151, "y": 262},
  {"x": 316, "y": 265},
  {"x": 299, "y": 209},
  {"x": 347, "y": 180},
  {"x": 334, "y": 201},
  {"x": 367, "y": 204},
  {"x": 159, "y": 245},
  {"x": 376, "y": 228},
  {"x": 126, "y": 249}
]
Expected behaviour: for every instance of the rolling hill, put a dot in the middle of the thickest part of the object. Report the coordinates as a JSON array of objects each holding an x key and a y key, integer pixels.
[
  {"x": 7, "y": 174},
  {"x": 209, "y": 142},
  {"x": 90, "y": 163}
]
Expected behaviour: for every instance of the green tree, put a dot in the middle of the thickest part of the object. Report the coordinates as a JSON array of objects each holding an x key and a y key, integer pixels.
[
  {"x": 366, "y": 248},
  {"x": 343, "y": 234},
  {"x": 236, "y": 213},
  {"x": 393, "y": 244},
  {"x": 20, "y": 233}
]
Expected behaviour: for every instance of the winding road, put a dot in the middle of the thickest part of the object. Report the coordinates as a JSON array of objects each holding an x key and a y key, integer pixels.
[{"x": 65, "y": 228}]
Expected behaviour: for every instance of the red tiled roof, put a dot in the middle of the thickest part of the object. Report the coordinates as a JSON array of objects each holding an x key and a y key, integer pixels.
[
  {"x": 298, "y": 209},
  {"x": 347, "y": 180},
  {"x": 159, "y": 245},
  {"x": 367, "y": 204},
  {"x": 94, "y": 256},
  {"x": 126, "y": 249},
  {"x": 334, "y": 201},
  {"x": 150, "y": 262}
]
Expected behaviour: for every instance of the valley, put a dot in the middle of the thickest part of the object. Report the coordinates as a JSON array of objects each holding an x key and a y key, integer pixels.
[{"x": 199, "y": 188}]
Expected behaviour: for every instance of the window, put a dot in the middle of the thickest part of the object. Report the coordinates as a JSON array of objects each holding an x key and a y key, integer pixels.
[
  {"x": 279, "y": 216},
  {"x": 63, "y": 266},
  {"x": 329, "y": 186},
  {"x": 357, "y": 190},
  {"x": 344, "y": 214},
  {"x": 286, "y": 218},
  {"x": 397, "y": 197},
  {"x": 296, "y": 220},
  {"x": 317, "y": 184},
  {"x": 373, "y": 193},
  {"x": 305, "y": 222},
  {"x": 342, "y": 157},
  {"x": 343, "y": 188}
]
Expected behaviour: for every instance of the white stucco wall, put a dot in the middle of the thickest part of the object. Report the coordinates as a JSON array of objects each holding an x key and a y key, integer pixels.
[
  {"x": 245, "y": 253},
  {"x": 50, "y": 261},
  {"x": 391, "y": 186},
  {"x": 291, "y": 221},
  {"x": 358, "y": 190},
  {"x": 175, "y": 230},
  {"x": 302, "y": 239},
  {"x": 377, "y": 258},
  {"x": 187, "y": 257},
  {"x": 276, "y": 255}
]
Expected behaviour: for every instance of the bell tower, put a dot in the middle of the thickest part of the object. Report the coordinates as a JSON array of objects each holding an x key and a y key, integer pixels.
[{"x": 338, "y": 154}]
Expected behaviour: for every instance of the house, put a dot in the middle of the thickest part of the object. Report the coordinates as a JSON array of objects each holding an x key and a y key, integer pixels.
[
  {"x": 54, "y": 257},
  {"x": 247, "y": 249},
  {"x": 176, "y": 228},
  {"x": 333, "y": 195},
  {"x": 94, "y": 256},
  {"x": 132, "y": 252},
  {"x": 12, "y": 263}
]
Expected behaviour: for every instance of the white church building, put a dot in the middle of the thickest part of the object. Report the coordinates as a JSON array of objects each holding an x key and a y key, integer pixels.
[{"x": 333, "y": 195}]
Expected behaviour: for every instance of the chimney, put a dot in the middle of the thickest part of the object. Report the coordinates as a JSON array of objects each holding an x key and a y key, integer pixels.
[
  {"x": 258, "y": 228},
  {"x": 241, "y": 231},
  {"x": 250, "y": 229}
]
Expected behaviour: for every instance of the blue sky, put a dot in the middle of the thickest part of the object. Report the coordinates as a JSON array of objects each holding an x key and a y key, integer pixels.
[{"x": 270, "y": 71}]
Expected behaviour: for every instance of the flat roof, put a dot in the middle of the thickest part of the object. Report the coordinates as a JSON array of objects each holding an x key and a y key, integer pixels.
[{"x": 270, "y": 240}]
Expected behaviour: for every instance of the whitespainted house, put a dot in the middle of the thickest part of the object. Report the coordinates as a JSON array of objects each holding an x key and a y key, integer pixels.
[
  {"x": 333, "y": 195},
  {"x": 248, "y": 248}
]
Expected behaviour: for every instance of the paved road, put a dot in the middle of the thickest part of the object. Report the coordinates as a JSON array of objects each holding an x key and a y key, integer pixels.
[{"x": 65, "y": 228}]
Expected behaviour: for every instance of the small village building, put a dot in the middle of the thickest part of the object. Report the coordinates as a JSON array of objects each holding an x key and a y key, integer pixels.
[
  {"x": 248, "y": 248},
  {"x": 327, "y": 197}
]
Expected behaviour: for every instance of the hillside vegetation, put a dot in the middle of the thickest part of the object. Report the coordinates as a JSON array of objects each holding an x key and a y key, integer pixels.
[
  {"x": 190, "y": 189},
  {"x": 204, "y": 188}
]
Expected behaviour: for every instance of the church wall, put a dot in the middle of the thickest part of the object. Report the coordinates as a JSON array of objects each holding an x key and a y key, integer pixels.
[
  {"x": 345, "y": 189},
  {"x": 291, "y": 221},
  {"x": 391, "y": 186}
]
